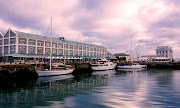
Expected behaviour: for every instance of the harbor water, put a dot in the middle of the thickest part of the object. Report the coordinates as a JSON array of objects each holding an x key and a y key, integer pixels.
[{"x": 100, "y": 89}]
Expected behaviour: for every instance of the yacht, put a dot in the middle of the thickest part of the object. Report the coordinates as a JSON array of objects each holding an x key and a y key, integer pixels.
[
  {"x": 103, "y": 64},
  {"x": 57, "y": 69},
  {"x": 131, "y": 66}
]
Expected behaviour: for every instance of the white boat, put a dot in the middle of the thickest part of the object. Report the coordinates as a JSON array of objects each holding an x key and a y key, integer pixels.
[
  {"x": 131, "y": 66},
  {"x": 103, "y": 64},
  {"x": 58, "y": 69},
  {"x": 53, "y": 72}
]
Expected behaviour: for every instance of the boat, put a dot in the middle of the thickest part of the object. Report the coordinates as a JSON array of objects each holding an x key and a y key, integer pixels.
[
  {"x": 57, "y": 69},
  {"x": 103, "y": 64},
  {"x": 131, "y": 66}
]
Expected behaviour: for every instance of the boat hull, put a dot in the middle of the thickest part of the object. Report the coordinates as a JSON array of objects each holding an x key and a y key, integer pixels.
[
  {"x": 98, "y": 68},
  {"x": 53, "y": 72}
]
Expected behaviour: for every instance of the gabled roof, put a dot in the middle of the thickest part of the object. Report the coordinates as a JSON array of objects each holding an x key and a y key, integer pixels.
[
  {"x": 54, "y": 39},
  {"x": 120, "y": 54}
]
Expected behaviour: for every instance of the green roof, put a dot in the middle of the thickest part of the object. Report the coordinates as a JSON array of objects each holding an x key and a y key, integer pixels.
[{"x": 54, "y": 39}]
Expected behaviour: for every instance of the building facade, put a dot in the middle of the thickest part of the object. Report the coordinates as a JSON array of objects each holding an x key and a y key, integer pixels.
[
  {"x": 164, "y": 51},
  {"x": 163, "y": 54},
  {"x": 19, "y": 44}
]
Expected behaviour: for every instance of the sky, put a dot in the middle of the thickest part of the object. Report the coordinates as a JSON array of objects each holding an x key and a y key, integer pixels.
[{"x": 115, "y": 24}]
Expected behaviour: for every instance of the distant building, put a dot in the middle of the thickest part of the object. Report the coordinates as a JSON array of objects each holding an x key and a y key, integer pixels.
[
  {"x": 164, "y": 51},
  {"x": 111, "y": 56},
  {"x": 122, "y": 55},
  {"x": 15, "y": 45},
  {"x": 163, "y": 54}
]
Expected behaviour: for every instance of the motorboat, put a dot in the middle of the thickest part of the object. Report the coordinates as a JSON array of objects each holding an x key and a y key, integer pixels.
[
  {"x": 131, "y": 66},
  {"x": 103, "y": 64}
]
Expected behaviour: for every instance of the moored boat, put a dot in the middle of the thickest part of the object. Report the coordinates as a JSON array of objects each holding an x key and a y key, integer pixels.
[
  {"x": 131, "y": 66},
  {"x": 103, "y": 64}
]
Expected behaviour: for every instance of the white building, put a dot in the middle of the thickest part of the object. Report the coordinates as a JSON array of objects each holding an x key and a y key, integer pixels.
[
  {"x": 15, "y": 45},
  {"x": 164, "y": 51},
  {"x": 163, "y": 54}
]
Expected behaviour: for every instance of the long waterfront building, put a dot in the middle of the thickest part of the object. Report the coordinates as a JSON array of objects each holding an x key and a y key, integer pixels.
[{"x": 18, "y": 45}]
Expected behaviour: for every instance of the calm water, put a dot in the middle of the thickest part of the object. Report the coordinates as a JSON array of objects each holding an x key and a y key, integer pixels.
[{"x": 102, "y": 89}]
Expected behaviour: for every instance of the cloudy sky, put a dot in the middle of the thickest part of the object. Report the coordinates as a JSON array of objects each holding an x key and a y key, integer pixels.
[{"x": 110, "y": 23}]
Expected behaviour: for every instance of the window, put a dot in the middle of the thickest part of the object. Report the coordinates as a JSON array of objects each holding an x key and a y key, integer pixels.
[
  {"x": 88, "y": 48},
  {"x": 12, "y": 48},
  {"x": 84, "y": 48},
  {"x": 71, "y": 52},
  {"x": 102, "y": 50},
  {"x": 76, "y": 53},
  {"x": 66, "y": 46},
  {"x": 94, "y": 49},
  {"x": 13, "y": 41},
  {"x": 60, "y": 51},
  {"x": 40, "y": 43},
  {"x": 47, "y": 50},
  {"x": 12, "y": 34},
  {"x": 1, "y": 42},
  {"x": 55, "y": 45},
  {"x": 80, "y": 47},
  {"x": 87, "y": 53},
  {"x": 31, "y": 42},
  {"x": 39, "y": 50},
  {"x": 94, "y": 54},
  {"x": 48, "y": 44},
  {"x": 80, "y": 53},
  {"x": 54, "y": 51},
  {"x": 66, "y": 52},
  {"x": 31, "y": 50},
  {"x": 22, "y": 49},
  {"x": 22, "y": 41},
  {"x": 91, "y": 49},
  {"x": 6, "y": 50},
  {"x": 76, "y": 47},
  {"x": 91, "y": 54},
  {"x": 60, "y": 45},
  {"x": 6, "y": 41},
  {"x": 84, "y": 53},
  {"x": 71, "y": 46}
]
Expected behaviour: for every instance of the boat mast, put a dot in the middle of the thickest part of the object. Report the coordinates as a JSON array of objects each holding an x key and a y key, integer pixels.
[{"x": 51, "y": 46}]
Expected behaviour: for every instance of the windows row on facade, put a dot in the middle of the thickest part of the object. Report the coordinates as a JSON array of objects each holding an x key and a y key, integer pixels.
[
  {"x": 48, "y": 44},
  {"x": 40, "y": 50}
]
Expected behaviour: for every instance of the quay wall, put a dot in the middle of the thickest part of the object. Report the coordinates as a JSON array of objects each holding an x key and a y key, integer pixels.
[{"x": 164, "y": 65}]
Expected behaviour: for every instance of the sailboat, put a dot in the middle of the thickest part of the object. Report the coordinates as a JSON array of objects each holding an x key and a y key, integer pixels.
[
  {"x": 56, "y": 71},
  {"x": 131, "y": 65}
]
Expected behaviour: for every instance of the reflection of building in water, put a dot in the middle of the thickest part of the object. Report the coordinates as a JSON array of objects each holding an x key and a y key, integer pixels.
[{"x": 51, "y": 91}]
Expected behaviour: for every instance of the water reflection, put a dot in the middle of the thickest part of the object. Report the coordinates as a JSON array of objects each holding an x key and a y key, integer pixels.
[{"x": 120, "y": 88}]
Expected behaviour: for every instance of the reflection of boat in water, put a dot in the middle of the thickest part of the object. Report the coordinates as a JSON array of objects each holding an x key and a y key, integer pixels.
[
  {"x": 103, "y": 64},
  {"x": 131, "y": 70},
  {"x": 53, "y": 78},
  {"x": 108, "y": 73},
  {"x": 131, "y": 66}
]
